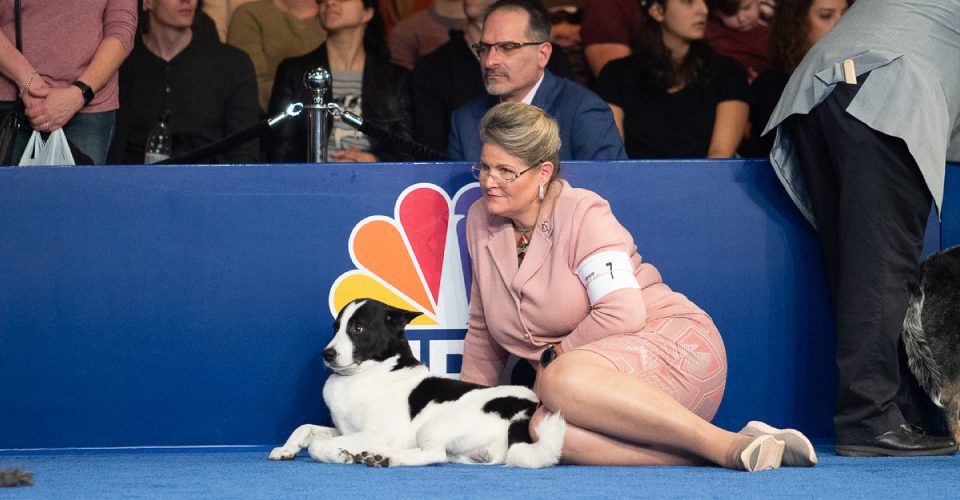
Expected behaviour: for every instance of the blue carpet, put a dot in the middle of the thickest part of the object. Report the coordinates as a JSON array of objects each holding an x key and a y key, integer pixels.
[{"x": 246, "y": 473}]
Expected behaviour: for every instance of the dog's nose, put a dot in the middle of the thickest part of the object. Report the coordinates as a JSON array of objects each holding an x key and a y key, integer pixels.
[{"x": 329, "y": 354}]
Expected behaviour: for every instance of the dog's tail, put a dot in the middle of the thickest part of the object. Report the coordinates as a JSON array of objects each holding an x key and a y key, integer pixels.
[
  {"x": 546, "y": 451},
  {"x": 15, "y": 477},
  {"x": 919, "y": 356}
]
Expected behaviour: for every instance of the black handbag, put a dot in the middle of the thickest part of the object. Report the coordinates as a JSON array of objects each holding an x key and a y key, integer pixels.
[
  {"x": 9, "y": 127},
  {"x": 10, "y": 120}
]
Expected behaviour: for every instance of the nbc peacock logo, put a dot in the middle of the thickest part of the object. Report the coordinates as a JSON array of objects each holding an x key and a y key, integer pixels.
[{"x": 417, "y": 260}]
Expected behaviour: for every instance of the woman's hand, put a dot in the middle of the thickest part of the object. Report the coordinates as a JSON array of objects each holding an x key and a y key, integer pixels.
[
  {"x": 353, "y": 154},
  {"x": 54, "y": 107},
  {"x": 536, "y": 382},
  {"x": 29, "y": 100}
]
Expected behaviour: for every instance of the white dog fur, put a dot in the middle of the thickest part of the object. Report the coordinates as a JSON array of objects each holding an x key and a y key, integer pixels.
[{"x": 389, "y": 410}]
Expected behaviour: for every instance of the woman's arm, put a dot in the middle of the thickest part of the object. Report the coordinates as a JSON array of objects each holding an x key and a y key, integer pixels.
[
  {"x": 15, "y": 66},
  {"x": 396, "y": 109},
  {"x": 59, "y": 105},
  {"x": 483, "y": 358},
  {"x": 617, "y": 304},
  {"x": 728, "y": 129}
]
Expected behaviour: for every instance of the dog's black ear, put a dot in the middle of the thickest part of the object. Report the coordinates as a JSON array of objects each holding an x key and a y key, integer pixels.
[{"x": 399, "y": 318}]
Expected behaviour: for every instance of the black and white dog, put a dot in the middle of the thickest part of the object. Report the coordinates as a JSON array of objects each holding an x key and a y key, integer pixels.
[
  {"x": 931, "y": 333},
  {"x": 390, "y": 411}
]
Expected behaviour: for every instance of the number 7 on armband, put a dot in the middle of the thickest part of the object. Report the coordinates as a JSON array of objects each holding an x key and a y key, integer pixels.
[{"x": 605, "y": 272}]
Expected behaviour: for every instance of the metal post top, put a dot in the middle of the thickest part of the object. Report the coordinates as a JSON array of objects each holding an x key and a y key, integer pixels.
[{"x": 317, "y": 81}]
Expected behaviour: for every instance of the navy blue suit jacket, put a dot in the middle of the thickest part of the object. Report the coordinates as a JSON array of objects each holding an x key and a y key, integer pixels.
[{"x": 587, "y": 129}]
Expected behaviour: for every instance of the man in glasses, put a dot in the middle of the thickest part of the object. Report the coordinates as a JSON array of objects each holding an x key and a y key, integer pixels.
[
  {"x": 513, "y": 51},
  {"x": 449, "y": 77}
]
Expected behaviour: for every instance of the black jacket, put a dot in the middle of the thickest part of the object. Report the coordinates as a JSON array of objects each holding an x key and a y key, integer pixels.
[
  {"x": 385, "y": 102},
  {"x": 209, "y": 90}
]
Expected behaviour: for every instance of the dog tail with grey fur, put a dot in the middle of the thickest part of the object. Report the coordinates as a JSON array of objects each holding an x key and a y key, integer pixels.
[
  {"x": 919, "y": 356},
  {"x": 15, "y": 477},
  {"x": 543, "y": 453}
]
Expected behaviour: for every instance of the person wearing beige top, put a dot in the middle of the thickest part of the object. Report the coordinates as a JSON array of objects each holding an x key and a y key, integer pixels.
[
  {"x": 220, "y": 12},
  {"x": 270, "y": 31},
  {"x": 635, "y": 368}
]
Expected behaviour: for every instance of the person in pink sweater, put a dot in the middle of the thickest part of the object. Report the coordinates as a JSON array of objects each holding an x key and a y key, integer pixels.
[
  {"x": 636, "y": 369},
  {"x": 67, "y": 73}
]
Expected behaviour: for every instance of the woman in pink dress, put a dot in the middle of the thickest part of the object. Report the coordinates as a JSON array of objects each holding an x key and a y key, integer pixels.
[{"x": 637, "y": 369}]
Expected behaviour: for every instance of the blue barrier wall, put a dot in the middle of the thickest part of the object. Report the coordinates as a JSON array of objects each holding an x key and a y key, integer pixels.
[{"x": 166, "y": 306}]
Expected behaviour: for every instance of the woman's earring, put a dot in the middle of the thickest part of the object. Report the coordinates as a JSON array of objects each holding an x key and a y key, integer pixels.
[{"x": 541, "y": 193}]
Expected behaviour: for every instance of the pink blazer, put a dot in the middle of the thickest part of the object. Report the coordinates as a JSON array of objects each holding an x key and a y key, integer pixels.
[{"x": 521, "y": 311}]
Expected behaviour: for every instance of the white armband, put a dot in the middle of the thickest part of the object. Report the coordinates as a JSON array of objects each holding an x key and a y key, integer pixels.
[{"x": 605, "y": 272}]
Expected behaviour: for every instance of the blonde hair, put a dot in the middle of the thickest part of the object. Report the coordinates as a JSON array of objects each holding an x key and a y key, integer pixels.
[{"x": 523, "y": 131}]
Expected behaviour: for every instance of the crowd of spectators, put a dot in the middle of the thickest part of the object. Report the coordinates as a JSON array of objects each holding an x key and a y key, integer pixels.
[{"x": 682, "y": 78}]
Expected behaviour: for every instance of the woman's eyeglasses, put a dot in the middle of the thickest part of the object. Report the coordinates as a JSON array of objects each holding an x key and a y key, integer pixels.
[{"x": 502, "y": 175}]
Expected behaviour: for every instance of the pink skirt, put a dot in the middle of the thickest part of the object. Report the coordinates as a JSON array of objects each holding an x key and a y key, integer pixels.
[{"x": 682, "y": 356}]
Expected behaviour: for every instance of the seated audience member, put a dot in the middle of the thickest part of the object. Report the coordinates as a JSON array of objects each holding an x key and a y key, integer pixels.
[
  {"x": 270, "y": 31},
  {"x": 558, "y": 282},
  {"x": 365, "y": 82},
  {"x": 448, "y": 77},
  {"x": 674, "y": 97},
  {"x": 734, "y": 30},
  {"x": 566, "y": 16},
  {"x": 797, "y": 25},
  {"x": 394, "y": 11},
  {"x": 207, "y": 89},
  {"x": 608, "y": 30},
  {"x": 513, "y": 51},
  {"x": 424, "y": 31},
  {"x": 220, "y": 11},
  {"x": 203, "y": 25}
]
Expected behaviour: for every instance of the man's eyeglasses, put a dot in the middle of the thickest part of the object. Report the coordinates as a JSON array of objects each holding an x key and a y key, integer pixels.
[
  {"x": 482, "y": 49},
  {"x": 502, "y": 175}
]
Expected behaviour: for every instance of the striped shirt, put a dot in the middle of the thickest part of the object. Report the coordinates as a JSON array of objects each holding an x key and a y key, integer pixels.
[{"x": 348, "y": 93}]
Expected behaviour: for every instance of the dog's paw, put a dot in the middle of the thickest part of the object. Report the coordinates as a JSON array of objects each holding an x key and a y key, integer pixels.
[
  {"x": 281, "y": 453},
  {"x": 372, "y": 459},
  {"x": 348, "y": 458}
]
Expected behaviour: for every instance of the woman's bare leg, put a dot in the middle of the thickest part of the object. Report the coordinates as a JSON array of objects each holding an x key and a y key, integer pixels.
[
  {"x": 616, "y": 418},
  {"x": 585, "y": 447}
]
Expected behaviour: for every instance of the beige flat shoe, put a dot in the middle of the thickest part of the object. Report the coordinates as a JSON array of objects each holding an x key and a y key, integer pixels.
[
  {"x": 764, "y": 452},
  {"x": 798, "y": 451}
]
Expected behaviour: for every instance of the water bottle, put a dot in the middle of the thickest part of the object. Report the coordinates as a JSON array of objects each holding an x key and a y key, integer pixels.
[{"x": 158, "y": 141}]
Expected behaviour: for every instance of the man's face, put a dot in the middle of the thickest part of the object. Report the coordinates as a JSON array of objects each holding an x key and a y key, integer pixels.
[
  {"x": 171, "y": 13},
  {"x": 511, "y": 74}
]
